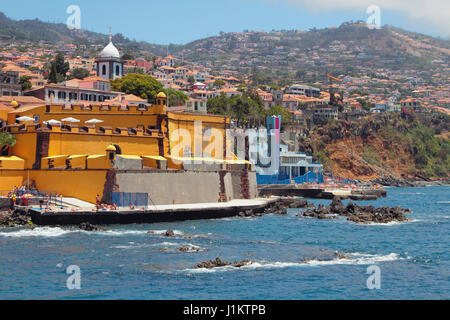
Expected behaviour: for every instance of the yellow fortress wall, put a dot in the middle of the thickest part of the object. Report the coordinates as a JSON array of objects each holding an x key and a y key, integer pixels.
[{"x": 76, "y": 161}]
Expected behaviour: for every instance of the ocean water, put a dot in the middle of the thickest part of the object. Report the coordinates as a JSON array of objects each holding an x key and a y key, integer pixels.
[{"x": 292, "y": 257}]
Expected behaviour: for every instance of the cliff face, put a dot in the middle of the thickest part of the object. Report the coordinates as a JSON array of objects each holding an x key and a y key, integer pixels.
[{"x": 383, "y": 147}]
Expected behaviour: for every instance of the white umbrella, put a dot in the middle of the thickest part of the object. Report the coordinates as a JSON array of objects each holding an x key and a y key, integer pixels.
[
  {"x": 53, "y": 122},
  {"x": 70, "y": 119},
  {"x": 25, "y": 118},
  {"x": 93, "y": 121}
]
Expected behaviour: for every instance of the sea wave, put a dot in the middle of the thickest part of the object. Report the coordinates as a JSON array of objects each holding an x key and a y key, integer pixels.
[
  {"x": 37, "y": 232},
  {"x": 392, "y": 223},
  {"x": 353, "y": 259},
  {"x": 58, "y": 231}
]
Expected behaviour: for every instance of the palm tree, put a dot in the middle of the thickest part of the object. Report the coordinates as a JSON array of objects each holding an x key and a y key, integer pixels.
[{"x": 6, "y": 140}]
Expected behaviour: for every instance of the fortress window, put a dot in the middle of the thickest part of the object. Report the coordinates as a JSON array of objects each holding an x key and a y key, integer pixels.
[
  {"x": 117, "y": 70},
  {"x": 103, "y": 70}
]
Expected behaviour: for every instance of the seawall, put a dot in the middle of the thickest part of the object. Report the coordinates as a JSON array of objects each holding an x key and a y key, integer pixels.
[{"x": 154, "y": 214}]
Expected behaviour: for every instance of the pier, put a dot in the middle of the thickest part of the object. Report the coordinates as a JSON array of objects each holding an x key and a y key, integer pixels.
[
  {"x": 320, "y": 193},
  {"x": 152, "y": 214}
]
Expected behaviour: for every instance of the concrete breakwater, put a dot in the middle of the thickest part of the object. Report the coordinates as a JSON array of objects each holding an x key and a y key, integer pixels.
[
  {"x": 161, "y": 213},
  {"x": 321, "y": 193}
]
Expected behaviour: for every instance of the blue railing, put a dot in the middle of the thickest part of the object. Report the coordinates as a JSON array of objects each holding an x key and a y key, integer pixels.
[
  {"x": 309, "y": 177},
  {"x": 127, "y": 199}
]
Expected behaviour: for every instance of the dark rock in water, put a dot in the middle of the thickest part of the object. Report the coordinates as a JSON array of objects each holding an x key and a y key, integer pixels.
[
  {"x": 86, "y": 226},
  {"x": 219, "y": 263},
  {"x": 328, "y": 256},
  {"x": 241, "y": 263},
  {"x": 188, "y": 249},
  {"x": 357, "y": 213},
  {"x": 295, "y": 203},
  {"x": 169, "y": 233},
  {"x": 336, "y": 205},
  {"x": 320, "y": 212},
  {"x": 340, "y": 255}
]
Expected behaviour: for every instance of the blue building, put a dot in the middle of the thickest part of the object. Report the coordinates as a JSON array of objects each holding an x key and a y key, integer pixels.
[{"x": 282, "y": 166}]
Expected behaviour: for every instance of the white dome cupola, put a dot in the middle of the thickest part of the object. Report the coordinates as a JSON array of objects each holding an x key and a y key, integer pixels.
[
  {"x": 110, "y": 51},
  {"x": 108, "y": 63}
]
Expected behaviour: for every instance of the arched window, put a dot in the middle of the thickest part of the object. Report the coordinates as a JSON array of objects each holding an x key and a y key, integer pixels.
[
  {"x": 117, "y": 70},
  {"x": 103, "y": 70}
]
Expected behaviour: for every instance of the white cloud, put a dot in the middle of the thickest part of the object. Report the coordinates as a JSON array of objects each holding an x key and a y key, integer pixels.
[{"x": 432, "y": 13}]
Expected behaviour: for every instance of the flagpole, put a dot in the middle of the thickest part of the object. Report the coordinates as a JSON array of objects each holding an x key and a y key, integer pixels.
[{"x": 167, "y": 106}]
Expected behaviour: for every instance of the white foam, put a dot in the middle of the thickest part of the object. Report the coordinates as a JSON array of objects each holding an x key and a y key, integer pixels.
[
  {"x": 166, "y": 243},
  {"x": 353, "y": 259},
  {"x": 57, "y": 232},
  {"x": 391, "y": 223},
  {"x": 37, "y": 232},
  {"x": 161, "y": 232},
  {"x": 119, "y": 233},
  {"x": 356, "y": 259}
]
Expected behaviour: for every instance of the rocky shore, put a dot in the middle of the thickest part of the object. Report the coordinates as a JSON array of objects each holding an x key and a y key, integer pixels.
[
  {"x": 279, "y": 207},
  {"x": 15, "y": 218},
  {"x": 357, "y": 213},
  {"x": 390, "y": 181}
]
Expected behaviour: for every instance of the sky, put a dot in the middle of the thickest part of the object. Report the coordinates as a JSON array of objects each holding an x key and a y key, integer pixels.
[{"x": 182, "y": 21}]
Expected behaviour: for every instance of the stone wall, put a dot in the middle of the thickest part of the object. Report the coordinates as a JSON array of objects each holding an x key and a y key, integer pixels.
[{"x": 178, "y": 187}]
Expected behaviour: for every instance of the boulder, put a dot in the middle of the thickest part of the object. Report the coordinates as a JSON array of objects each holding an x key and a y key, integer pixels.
[
  {"x": 86, "y": 226},
  {"x": 219, "y": 263},
  {"x": 169, "y": 233}
]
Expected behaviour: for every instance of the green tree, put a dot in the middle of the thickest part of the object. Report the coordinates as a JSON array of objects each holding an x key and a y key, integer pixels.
[
  {"x": 6, "y": 140},
  {"x": 241, "y": 108},
  {"x": 127, "y": 56},
  {"x": 80, "y": 73},
  {"x": 218, "y": 105},
  {"x": 176, "y": 98},
  {"x": 286, "y": 116},
  {"x": 25, "y": 82},
  {"x": 140, "y": 85},
  {"x": 58, "y": 69}
]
